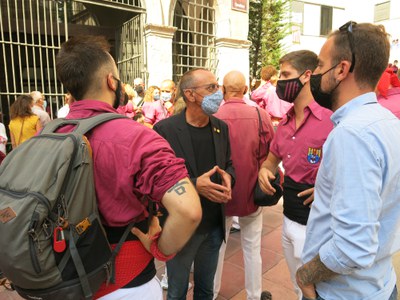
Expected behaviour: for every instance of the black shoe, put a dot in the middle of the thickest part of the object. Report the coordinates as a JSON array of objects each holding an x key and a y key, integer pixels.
[
  {"x": 265, "y": 295},
  {"x": 233, "y": 230}
]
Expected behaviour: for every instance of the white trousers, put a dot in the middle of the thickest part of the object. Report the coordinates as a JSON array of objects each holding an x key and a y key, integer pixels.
[
  {"x": 149, "y": 291},
  {"x": 293, "y": 238},
  {"x": 250, "y": 236}
]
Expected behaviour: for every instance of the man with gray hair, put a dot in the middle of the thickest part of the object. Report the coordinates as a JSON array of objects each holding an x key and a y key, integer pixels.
[
  {"x": 39, "y": 107},
  {"x": 203, "y": 141}
]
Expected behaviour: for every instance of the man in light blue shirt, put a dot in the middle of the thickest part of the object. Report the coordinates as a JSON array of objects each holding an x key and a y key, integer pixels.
[{"x": 354, "y": 223}]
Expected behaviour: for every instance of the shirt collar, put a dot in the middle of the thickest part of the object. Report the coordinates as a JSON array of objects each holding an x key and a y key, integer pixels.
[
  {"x": 315, "y": 109},
  {"x": 234, "y": 100},
  {"x": 352, "y": 105}
]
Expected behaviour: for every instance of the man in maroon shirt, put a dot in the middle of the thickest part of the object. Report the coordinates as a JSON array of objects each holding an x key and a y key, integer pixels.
[
  {"x": 129, "y": 161},
  {"x": 248, "y": 152}
]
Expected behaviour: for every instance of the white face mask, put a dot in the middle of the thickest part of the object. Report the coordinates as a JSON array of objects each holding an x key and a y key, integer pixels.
[
  {"x": 44, "y": 104},
  {"x": 166, "y": 96}
]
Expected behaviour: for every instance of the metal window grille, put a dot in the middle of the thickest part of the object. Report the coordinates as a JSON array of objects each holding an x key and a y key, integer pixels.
[
  {"x": 130, "y": 50},
  {"x": 194, "y": 40},
  {"x": 31, "y": 32}
]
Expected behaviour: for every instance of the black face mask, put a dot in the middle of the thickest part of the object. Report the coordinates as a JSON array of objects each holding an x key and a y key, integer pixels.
[
  {"x": 324, "y": 99},
  {"x": 139, "y": 89},
  {"x": 288, "y": 90},
  {"x": 119, "y": 95}
]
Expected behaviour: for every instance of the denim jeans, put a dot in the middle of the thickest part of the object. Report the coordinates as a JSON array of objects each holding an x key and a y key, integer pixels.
[
  {"x": 393, "y": 296},
  {"x": 203, "y": 249}
]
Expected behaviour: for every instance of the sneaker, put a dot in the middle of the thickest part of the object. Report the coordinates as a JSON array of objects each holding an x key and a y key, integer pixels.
[
  {"x": 234, "y": 229},
  {"x": 265, "y": 295},
  {"x": 164, "y": 281}
]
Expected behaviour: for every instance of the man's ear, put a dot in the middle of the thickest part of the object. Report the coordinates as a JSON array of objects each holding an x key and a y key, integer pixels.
[
  {"x": 343, "y": 70},
  {"x": 111, "y": 82},
  {"x": 306, "y": 76},
  {"x": 246, "y": 88},
  {"x": 189, "y": 95}
]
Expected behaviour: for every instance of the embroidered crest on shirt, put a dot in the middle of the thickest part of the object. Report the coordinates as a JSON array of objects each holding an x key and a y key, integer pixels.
[{"x": 314, "y": 155}]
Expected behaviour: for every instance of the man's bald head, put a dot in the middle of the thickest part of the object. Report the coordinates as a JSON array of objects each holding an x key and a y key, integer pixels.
[{"x": 234, "y": 85}]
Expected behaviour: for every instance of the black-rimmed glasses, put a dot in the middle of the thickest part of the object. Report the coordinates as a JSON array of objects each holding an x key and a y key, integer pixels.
[{"x": 348, "y": 28}]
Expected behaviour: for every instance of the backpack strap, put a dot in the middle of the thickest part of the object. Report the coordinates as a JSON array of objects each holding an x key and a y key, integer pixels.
[
  {"x": 82, "y": 125},
  {"x": 116, "y": 250}
]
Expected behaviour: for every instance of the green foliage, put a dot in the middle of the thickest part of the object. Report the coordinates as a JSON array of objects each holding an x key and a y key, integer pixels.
[{"x": 268, "y": 25}]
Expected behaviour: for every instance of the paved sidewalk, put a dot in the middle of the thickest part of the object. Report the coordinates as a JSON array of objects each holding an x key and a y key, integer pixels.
[
  {"x": 275, "y": 272},
  {"x": 276, "y": 277}
]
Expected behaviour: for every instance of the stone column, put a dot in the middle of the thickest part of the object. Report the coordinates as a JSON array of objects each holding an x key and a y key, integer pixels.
[
  {"x": 232, "y": 54},
  {"x": 159, "y": 52}
]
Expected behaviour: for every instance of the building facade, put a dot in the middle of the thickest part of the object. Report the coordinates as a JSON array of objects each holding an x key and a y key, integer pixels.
[
  {"x": 312, "y": 20},
  {"x": 151, "y": 39}
]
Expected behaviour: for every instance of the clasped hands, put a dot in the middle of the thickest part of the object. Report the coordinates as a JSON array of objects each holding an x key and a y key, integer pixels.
[{"x": 219, "y": 193}]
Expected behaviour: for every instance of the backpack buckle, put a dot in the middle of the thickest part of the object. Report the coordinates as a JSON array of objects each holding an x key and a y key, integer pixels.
[{"x": 82, "y": 226}]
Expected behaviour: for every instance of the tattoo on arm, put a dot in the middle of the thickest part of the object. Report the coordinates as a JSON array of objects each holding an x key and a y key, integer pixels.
[
  {"x": 178, "y": 188},
  {"x": 313, "y": 272}
]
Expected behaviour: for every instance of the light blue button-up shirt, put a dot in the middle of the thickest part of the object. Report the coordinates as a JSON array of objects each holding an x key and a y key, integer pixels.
[{"x": 355, "y": 218}]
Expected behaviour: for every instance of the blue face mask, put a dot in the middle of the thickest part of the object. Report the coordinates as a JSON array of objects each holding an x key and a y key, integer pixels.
[
  {"x": 156, "y": 97},
  {"x": 44, "y": 104},
  {"x": 211, "y": 103}
]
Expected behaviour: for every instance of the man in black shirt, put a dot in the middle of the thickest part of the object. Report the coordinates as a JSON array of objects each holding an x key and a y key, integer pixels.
[{"x": 203, "y": 141}]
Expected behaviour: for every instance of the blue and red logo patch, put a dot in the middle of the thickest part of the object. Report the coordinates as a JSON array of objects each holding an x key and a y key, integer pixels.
[{"x": 314, "y": 155}]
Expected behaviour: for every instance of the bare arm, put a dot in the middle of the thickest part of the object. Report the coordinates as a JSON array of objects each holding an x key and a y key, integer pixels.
[
  {"x": 267, "y": 173},
  {"x": 184, "y": 214},
  {"x": 311, "y": 273},
  {"x": 38, "y": 126},
  {"x": 12, "y": 140}
]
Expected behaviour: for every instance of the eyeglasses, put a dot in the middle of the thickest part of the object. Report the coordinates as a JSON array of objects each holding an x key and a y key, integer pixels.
[
  {"x": 209, "y": 87},
  {"x": 348, "y": 27}
]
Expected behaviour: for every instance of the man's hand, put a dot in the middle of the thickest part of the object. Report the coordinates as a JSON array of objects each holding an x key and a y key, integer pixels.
[
  {"x": 311, "y": 273},
  {"x": 264, "y": 177},
  {"x": 146, "y": 238},
  {"x": 310, "y": 199},
  {"x": 212, "y": 191},
  {"x": 226, "y": 181}
]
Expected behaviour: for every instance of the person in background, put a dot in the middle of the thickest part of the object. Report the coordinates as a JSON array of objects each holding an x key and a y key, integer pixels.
[
  {"x": 298, "y": 145},
  {"x": 63, "y": 111},
  {"x": 395, "y": 67},
  {"x": 139, "y": 117},
  {"x": 129, "y": 109},
  {"x": 139, "y": 88},
  {"x": 24, "y": 123},
  {"x": 265, "y": 95},
  {"x": 249, "y": 150},
  {"x": 153, "y": 109},
  {"x": 388, "y": 91},
  {"x": 39, "y": 107},
  {"x": 354, "y": 222},
  {"x": 168, "y": 93},
  {"x": 179, "y": 106},
  {"x": 3, "y": 141}
]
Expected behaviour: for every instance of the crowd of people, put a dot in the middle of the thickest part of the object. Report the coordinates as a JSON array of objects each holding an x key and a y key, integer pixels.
[{"x": 198, "y": 149}]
